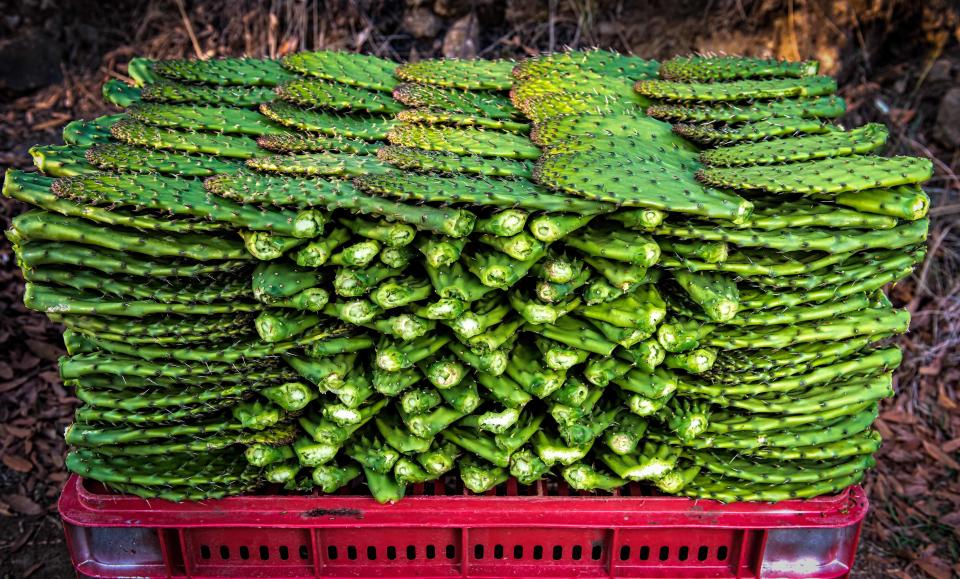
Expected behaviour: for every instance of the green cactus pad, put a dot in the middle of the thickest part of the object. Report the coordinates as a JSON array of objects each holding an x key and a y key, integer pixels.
[
  {"x": 126, "y": 158},
  {"x": 60, "y": 300},
  {"x": 120, "y": 94},
  {"x": 435, "y": 117},
  {"x": 457, "y": 73},
  {"x": 41, "y": 225},
  {"x": 212, "y": 288},
  {"x": 411, "y": 159},
  {"x": 601, "y": 62},
  {"x": 179, "y": 197},
  {"x": 313, "y": 143},
  {"x": 179, "y": 93},
  {"x": 362, "y": 70},
  {"x": 548, "y": 106},
  {"x": 463, "y": 141},
  {"x": 371, "y": 128},
  {"x": 721, "y": 489},
  {"x": 725, "y": 68},
  {"x": 801, "y": 239},
  {"x": 321, "y": 164},
  {"x": 650, "y": 184},
  {"x": 737, "y": 90},
  {"x": 61, "y": 160},
  {"x": 906, "y": 202},
  {"x": 607, "y": 88},
  {"x": 855, "y": 324},
  {"x": 485, "y": 104},
  {"x": 806, "y": 214},
  {"x": 35, "y": 189},
  {"x": 35, "y": 254},
  {"x": 86, "y": 133},
  {"x": 828, "y": 107},
  {"x": 859, "y": 141},
  {"x": 289, "y": 192},
  {"x": 554, "y": 131},
  {"x": 475, "y": 191},
  {"x": 162, "y": 326},
  {"x": 337, "y": 97},
  {"x": 224, "y": 71},
  {"x": 220, "y": 119},
  {"x": 711, "y": 135},
  {"x": 141, "y": 134},
  {"x": 827, "y": 176}
]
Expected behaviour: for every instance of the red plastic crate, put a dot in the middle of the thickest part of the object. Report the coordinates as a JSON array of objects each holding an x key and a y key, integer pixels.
[{"x": 438, "y": 530}]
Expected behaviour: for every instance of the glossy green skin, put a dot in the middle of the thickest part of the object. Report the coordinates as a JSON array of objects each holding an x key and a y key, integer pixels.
[
  {"x": 182, "y": 198},
  {"x": 622, "y": 246},
  {"x": 787, "y": 111},
  {"x": 35, "y": 190},
  {"x": 215, "y": 288},
  {"x": 707, "y": 133},
  {"x": 221, "y": 119},
  {"x": 127, "y": 158},
  {"x": 223, "y": 71},
  {"x": 280, "y": 325},
  {"x": 86, "y": 133},
  {"x": 320, "y": 165},
  {"x": 586, "y": 174},
  {"x": 545, "y": 107},
  {"x": 461, "y": 74},
  {"x": 223, "y": 471},
  {"x": 737, "y": 90},
  {"x": 463, "y": 141},
  {"x": 365, "y": 71},
  {"x": 785, "y": 215},
  {"x": 312, "y": 93},
  {"x": 170, "y": 92},
  {"x": 806, "y": 239},
  {"x": 506, "y": 193},
  {"x": 43, "y": 226},
  {"x": 711, "y": 488},
  {"x": 487, "y": 104},
  {"x": 556, "y": 131},
  {"x": 434, "y": 117},
  {"x": 858, "y": 141},
  {"x": 825, "y": 176},
  {"x": 716, "y": 294},
  {"x": 586, "y": 85},
  {"x": 584, "y": 477},
  {"x": 297, "y": 142},
  {"x": 61, "y": 160},
  {"x": 602, "y": 62},
  {"x": 332, "y": 195},
  {"x": 880, "y": 321},
  {"x": 119, "y": 93},
  {"x": 414, "y": 159},
  {"x": 329, "y": 477},
  {"x": 282, "y": 279},
  {"x": 374, "y": 128},
  {"x": 905, "y": 202},
  {"x": 35, "y": 254},
  {"x": 725, "y": 68},
  {"x": 133, "y": 132},
  {"x": 527, "y": 467}
]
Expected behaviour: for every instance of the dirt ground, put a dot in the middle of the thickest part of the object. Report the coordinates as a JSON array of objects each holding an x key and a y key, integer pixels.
[{"x": 898, "y": 62}]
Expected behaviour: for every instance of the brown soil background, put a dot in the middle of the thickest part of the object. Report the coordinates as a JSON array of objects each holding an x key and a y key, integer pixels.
[{"x": 898, "y": 62}]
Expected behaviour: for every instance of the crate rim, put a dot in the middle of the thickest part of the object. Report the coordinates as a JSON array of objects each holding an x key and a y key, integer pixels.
[{"x": 82, "y": 506}]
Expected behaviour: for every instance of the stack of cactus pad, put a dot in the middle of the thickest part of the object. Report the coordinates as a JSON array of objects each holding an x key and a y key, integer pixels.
[{"x": 330, "y": 267}]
